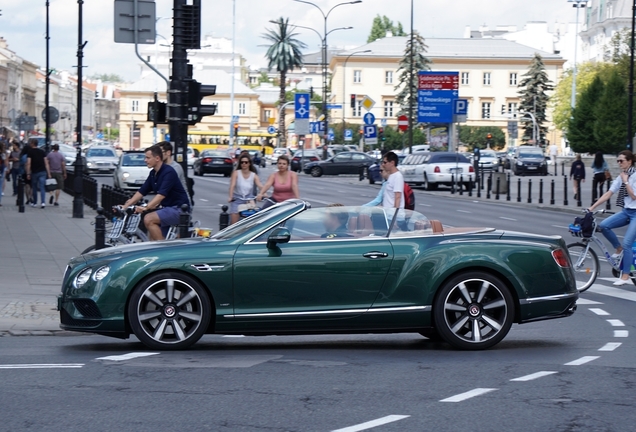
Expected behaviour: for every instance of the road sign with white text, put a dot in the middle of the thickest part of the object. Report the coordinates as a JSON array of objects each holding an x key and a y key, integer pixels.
[
  {"x": 370, "y": 134},
  {"x": 436, "y": 96}
]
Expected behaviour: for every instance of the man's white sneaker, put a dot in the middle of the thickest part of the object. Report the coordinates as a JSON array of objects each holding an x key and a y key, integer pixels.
[
  {"x": 620, "y": 282},
  {"x": 32, "y": 204},
  {"x": 43, "y": 205}
]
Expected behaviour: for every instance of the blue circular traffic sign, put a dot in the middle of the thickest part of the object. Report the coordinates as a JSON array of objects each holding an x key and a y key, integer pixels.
[
  {"x": 369, "y": 118},
  {"x": 271, "y": 130}
]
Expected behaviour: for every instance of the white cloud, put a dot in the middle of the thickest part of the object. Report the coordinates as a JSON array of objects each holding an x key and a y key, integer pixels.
[{"x": 22, "y": 24}]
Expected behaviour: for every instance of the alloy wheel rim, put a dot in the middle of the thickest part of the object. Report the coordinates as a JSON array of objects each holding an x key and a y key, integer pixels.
[
  {"x": 475, "y": 310},
  {"x": 170, "y": 311}
]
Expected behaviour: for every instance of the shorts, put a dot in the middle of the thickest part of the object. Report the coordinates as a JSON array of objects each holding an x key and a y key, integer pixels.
[
  {"x": 59, "y": 178},
  {"x": 237, "y": 202},
  {"x": 169, "y": 216}
]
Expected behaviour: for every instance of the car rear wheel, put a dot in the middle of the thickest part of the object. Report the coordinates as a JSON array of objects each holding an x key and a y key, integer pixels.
[
  {"x": 316, "y": 172},
  {"x": 428, "y": 185},
  {"x": 473, "y": 311},
  {"x": 169, "y": 311}
]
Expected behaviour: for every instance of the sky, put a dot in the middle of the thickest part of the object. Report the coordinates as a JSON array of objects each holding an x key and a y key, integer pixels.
[{"x": 22, "y": 24}]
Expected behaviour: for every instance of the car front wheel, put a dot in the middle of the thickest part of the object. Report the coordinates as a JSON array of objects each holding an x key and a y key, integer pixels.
[
  {"x": 169, "y": 311},
  {"x": 316, "y": 172},
  {"x": 473, "y": 311}
]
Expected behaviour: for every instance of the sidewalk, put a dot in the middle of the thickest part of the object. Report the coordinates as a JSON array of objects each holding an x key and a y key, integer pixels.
[{"x": 35, "y": 247}]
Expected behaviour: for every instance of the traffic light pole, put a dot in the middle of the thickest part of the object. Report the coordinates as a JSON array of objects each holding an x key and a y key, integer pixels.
[{"x": 177, "y": 98}]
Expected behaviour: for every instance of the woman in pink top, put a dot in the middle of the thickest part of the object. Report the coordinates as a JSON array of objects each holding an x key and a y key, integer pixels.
[{"x": 285, "y": 183}]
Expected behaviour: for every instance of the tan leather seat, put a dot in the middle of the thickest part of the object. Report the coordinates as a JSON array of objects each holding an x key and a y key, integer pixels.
[{"x": 436, "y": 226}]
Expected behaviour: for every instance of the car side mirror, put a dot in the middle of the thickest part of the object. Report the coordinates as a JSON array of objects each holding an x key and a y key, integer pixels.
[{"x": 278, "y": 236}]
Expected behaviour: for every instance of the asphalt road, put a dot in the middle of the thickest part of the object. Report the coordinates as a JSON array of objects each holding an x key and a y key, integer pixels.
[{"x": 571, "y": 374}]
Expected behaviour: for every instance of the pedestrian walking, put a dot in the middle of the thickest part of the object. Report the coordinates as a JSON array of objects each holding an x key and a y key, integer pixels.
[
  {"x": 380, "y": 197},
  {"x": 554, "y": 151},
  {"x": 394, "y": 190},
  {"x": 243, "y": 183},
  {"x": 37, "y": 170},
  {"x": 24, "y": 157},
  {"x": 57, "y": 168},
  {"x": 4, "y": 161},
  {"x": 577, "y": 172},
  {"x": 284, "y": 181},
  {"x": 600, "y": 173},
  {"x": 14, "y": 158}
]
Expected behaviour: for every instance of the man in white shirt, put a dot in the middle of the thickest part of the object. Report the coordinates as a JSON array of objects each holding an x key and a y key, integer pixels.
[
  {"x": 554, "y": 150},
  {"x": 394, "y": 189}
]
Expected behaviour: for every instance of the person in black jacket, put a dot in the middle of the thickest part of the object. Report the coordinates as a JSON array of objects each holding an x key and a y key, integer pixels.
[{"x": 577, "y": 172}]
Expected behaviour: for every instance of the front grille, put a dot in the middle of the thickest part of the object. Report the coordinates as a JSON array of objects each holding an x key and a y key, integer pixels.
[
  {"x": 66, "y": 319},
  {"x": 87, "y": 307}
]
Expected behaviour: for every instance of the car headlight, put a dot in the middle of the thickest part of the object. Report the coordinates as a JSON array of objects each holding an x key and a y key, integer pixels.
[
  {"x": 125, "y": 175},
  {"x": 82, "y": 277},
  {"x": 519, "y": 163},
  {"x": 101, "y": 273},
  {"x": 88, "y": 164}
]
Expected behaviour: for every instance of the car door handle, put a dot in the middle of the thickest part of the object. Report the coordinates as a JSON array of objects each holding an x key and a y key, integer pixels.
[{"x": 375, "y": 254}]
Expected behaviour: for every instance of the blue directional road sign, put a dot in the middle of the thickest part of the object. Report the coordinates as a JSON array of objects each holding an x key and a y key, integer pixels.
[
  {"x": 383, "y": 122},
  {"x": 313, "y": 127},
  {"x": 370, "y": 134},
  {"x": 301, "y": 105},
  {"x": 369, "y": 118},
  {"x": 330, "y": 134},
  {"x": 334, "y": 106},
  {"x": 436, "y": 106},
  {"x": 348, "y": 134},
  {"x": 271, "y": 130},
  {"x": 235, "y": 119}
]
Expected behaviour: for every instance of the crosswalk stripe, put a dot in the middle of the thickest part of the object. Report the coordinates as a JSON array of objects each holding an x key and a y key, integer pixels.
[
  {"x": 613, "y": 292},
  {"x": 128, "y": 356}
]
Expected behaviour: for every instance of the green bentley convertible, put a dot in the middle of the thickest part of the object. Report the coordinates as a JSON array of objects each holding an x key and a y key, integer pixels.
[{"x": 293, "y": 269}]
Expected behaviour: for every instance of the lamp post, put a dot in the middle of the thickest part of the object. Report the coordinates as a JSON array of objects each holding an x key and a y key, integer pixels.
[
  {"x": 344, "y": 95},
  {"x": 324, "y": 61},
  {"x": 412, "y": 79},
  {"x": 78, "y": 200},
  {"x": 578, "y": 4},
  {"x": 630, "y": 98},
  {"x": 47, "y": 120}
]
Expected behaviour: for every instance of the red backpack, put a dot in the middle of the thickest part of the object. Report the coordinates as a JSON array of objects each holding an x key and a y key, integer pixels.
[{"x": 409, "y": 197}]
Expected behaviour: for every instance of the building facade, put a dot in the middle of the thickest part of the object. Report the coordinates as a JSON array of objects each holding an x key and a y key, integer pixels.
[{"x": 603, "y": 19}]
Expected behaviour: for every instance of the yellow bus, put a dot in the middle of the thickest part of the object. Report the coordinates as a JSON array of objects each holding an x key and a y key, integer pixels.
[{"x": 204, "y": 140}]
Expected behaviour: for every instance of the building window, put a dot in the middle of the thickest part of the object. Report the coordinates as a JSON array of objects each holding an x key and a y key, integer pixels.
[
  {"x": 486, "y": 78},
  {"x": 267, "y": 114},
  {"x": 134, "y": 106},
  {"x": 388, "y": 109},
  {"x": 357, "y": 109},
  {"x": 512, "y": 108},
  {"x": 388, "y": 77},
  {"x": 357, "y": 76},
  {"x": 241, "y": 109},
  {"x": 485, "y": 110},
  {"x": 513, "y": 79},
  {"x": 465, "y": 78}
]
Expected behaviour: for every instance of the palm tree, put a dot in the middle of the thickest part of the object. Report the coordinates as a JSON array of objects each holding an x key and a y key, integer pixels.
[{"x": 283, "y": 55}]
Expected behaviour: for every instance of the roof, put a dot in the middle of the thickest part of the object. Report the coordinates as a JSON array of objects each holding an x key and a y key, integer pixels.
[
  {"x": 151, "y": 82},
  {"x": 267, "y": 93},
  {"x": 453, "y": 48}
]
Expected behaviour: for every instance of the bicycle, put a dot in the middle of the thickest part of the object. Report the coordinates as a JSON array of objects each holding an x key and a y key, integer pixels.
[
  {"x": 585, "y": 261},
  {"x": 124, "y": 229}
]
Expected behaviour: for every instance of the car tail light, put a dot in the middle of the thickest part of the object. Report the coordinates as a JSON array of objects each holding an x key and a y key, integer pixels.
[
  {"x": 561, "y": 258},
  {"x": 207, "y": 160},
  {"x": 296, "y": 159},
  {"x": 471, "y": 169},
  {"x": 437, "y": 170},
  {"x": 314, "y": 159},
  {"x": 228, "y": 161}
]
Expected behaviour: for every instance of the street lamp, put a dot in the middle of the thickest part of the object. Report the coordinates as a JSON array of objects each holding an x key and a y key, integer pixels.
[
  {"x": 578, "y": 4},
  {"x": 324, "y": 61},
  {"x": 344, "y": 95}
]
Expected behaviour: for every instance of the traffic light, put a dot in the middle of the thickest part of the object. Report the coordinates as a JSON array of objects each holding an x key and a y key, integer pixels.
[
  {"x": 353, "y": 101},
  {"x": 489, "y": 136},
  {"x": 311, "y": 93},
  {"x": 361, "y": 130},
  {"x": 381, "y": 134},
  {"x": 156, "y": 112},
  {"x": 196, "y": 92},
  {"x": 236, "y": 129}
]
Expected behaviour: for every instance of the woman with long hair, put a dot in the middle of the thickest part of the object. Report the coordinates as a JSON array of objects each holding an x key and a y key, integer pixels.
[
  {"x": 285, "y": 183},
  {"x": 625, "y": 186},
  {"x": 243, "y": 183},
  {"x": 599, "y": 172}
]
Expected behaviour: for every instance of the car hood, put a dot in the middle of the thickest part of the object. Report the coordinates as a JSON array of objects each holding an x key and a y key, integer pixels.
[
  {"x": 122, "y": 251},
  {"x": 102, "y": 159},
  {"x": 135, "y": 170}
]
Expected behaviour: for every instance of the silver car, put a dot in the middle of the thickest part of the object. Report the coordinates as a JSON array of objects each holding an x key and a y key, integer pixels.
[
  {"x": 131, "y": 171},
  {"x": 101, "y": 159}
]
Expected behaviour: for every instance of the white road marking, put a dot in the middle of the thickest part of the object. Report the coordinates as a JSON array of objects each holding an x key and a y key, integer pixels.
[
  {"x": 559, "y": 226},
  {"x": 128, "y": 356},
  {"x": 598, "y": 311},
  {"x": 610, "y": 346},
  {"x": 373, "y": 423},
  {"x": 507, "y": 218},
  {"x": 463, "y": 211},
  {"x": 534, "y": 376},
  {"x": 613, "y": 292},
  {"x": 582, "y": 360},
  {"x": 616, "y": 323},
  {"x": 467, "y": 395},
  {"x": 608, "y": 279},
  {"x": 426, "y": 205},
  {"x": 234, "y": 336},
  {"x": 43, "y": 366},
  {"x": 621, "y": 333},
  {"x": 204, "y": 200},
  {"x": 582, "y": 301}
]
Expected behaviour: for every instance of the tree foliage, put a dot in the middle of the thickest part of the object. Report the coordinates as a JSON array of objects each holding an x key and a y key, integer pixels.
[
  {"x": 534, "y": 99},
  {"x": 476, "y": 136},
  {"x": 107, "y": 77},
  {"x": 407, "y": 84},
  {"x": 381, "y": 25},
  {"x": 580, "y": 125},
  {"x": 611, "y": 116}
]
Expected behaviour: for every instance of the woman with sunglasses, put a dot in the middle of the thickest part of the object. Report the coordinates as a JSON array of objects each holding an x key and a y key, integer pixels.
[
  {"x": 243, "y": 183},
  {"x": 285, "y": 184},
  {"x": 625, "y": 186}
]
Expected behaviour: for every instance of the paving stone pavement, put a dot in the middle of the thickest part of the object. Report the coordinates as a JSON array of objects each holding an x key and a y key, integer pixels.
[{"x": 34, "y": 249}]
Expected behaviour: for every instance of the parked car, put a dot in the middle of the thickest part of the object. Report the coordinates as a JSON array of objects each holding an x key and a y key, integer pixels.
[
  {"x": 466, "y": 286},
  {"x": 436, "y": 168},
  {"x": 373, "y": 173},
  {"x": 257, "y": 158},
  {"x": 341, "y": 163},
  {"x": 214, "y": 162},
  {"x": 278, "y": 152},
  {"x": 488, "y": 160},
  {"x": 529, "y": 160},
  {"x": 510, "y": 152},
  {"x": 310, "y": 155},
  {"x": 131, "y": 171},
  {"x": 191, "y": 157},
  {"x": 101, "y": 159}
]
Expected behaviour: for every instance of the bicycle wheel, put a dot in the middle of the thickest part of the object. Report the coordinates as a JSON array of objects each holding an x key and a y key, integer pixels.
[{"x": 585, "y": 265}]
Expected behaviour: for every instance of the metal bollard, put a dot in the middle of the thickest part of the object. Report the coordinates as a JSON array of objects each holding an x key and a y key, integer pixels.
[
  {"x": 478, "y": 188},
  {"x": 518, "y": 190},
  {"x": 224, "y": 218},
  {"x": 470, "y": 188},
  {"x": 508, "y": 187},
  {"x": 461, "y": 184},
  {"x": 489, "y": 186},
  {"x": 100, "y": 229},
  {"x": 497, "y": 186},
  {"x": 563, "y": 168},
  {"x": 541, "y": 191},
  {"x": 556, "y": 168},
  {"x": 452, "y": 184},
  {"x": 529, "y": 191},
  {"x": 184, "y": 222},
  {"x": 608, "y": 205},
  {"x": 481, "y": 177},
  {"x": 20, "y": 200},
  {"x": 552, "y": 192},
  {"x": 565, "y": 190},
  {"x": 578, "y": 193}
]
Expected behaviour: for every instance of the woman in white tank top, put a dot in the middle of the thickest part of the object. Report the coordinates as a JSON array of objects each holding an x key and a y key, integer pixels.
[{"x": 244, "y": 180}]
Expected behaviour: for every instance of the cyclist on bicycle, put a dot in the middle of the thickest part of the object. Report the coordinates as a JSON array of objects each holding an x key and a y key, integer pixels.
[
  {"x": 625, "y": 186},
  {"x": 243, "y": 183},
  {"x": 169, "y": 198}
]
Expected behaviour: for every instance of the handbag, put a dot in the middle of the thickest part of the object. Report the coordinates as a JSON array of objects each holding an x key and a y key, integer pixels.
[
  {"x": 50, "y": 185},
  {"x": 608, "y": 175}
]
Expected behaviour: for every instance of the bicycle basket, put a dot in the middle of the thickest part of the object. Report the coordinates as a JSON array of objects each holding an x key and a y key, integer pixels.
[
  {"x": 575, "y": 230},
  {"x": 116, "y": 229},
  {"x": 132, "y": 223}
]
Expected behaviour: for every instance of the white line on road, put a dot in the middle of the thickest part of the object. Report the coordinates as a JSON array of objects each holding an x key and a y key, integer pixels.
[
  {"x": 582, "y": 301},
  {"x": 128, "y": 356},
  {"x": 621, "y": 333},
  {"x": 372, "y": 423},
  {"x": 463, "y": 211},
  {"x": 534, "y": 376},
  {"x": 613, "y": 292},
  {"x": 616, "y": 323},
  {"x": 467, "y": 395},
  {"x": 426, "y": 205},
  {"x": 507, "y": 218},
  {"x": 610, "y": 346},
  {"x": 560, "y": 226},
  {"x": 234, "y": 336},
  {"x": 582, "y": 360},
  {"x": 598, "y": 311},
  {"x": 204, "y": 200},
  {"x": 43, "y": 366}
]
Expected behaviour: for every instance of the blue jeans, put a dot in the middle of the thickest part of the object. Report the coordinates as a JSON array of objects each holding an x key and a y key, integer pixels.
[
  {"x": 2, "y": 171},
  {"x": 625, "y": 217},
  {"x": 38, "y": 181}
]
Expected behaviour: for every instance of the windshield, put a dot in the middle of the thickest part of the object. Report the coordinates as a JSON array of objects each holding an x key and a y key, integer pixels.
[
  {"x": 136, "y": 159},
  {"x": 64, "y": 148},
  {"x": 488, "y": 154},
  {"x": 262, "y": 217},
  {"x": 100, "y": 152}
]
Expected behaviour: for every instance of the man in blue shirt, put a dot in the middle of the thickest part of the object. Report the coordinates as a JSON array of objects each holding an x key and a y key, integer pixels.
[{"x": 170, "y": 195}]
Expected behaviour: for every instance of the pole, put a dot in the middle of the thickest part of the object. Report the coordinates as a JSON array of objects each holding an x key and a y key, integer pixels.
[
  {"x": 325, "y": 112},
  {"x": 232, "y": 87},
  {"x": 78, "y": 183},
  {"x": 47, "y": 85},
  {"x": 630, "y": 100},
  {"x": 411, "y": 82},
  {"x": 177, "y": 102},
  {"x": 576, "y": 42}
]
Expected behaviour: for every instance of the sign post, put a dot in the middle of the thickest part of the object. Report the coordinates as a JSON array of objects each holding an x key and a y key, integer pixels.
[{"x": 301, "y": 113}]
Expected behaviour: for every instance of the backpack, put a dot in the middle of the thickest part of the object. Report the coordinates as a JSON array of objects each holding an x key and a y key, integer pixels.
[{"x": 409, "y": 197}]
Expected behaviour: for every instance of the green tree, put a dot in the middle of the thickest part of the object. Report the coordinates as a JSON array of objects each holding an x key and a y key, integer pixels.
[
  {"x": 580, "y": 128},
  {"x": 107, "y": 77},
  {"x": 381, "y": 25},
  {"x": 283, "y": 55},
  {"x": 477, "y": 136},
  {"x": 611, "y": 116},
  {"x": 533, "y": 88},
  {"x": 406, "y": 83}
]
